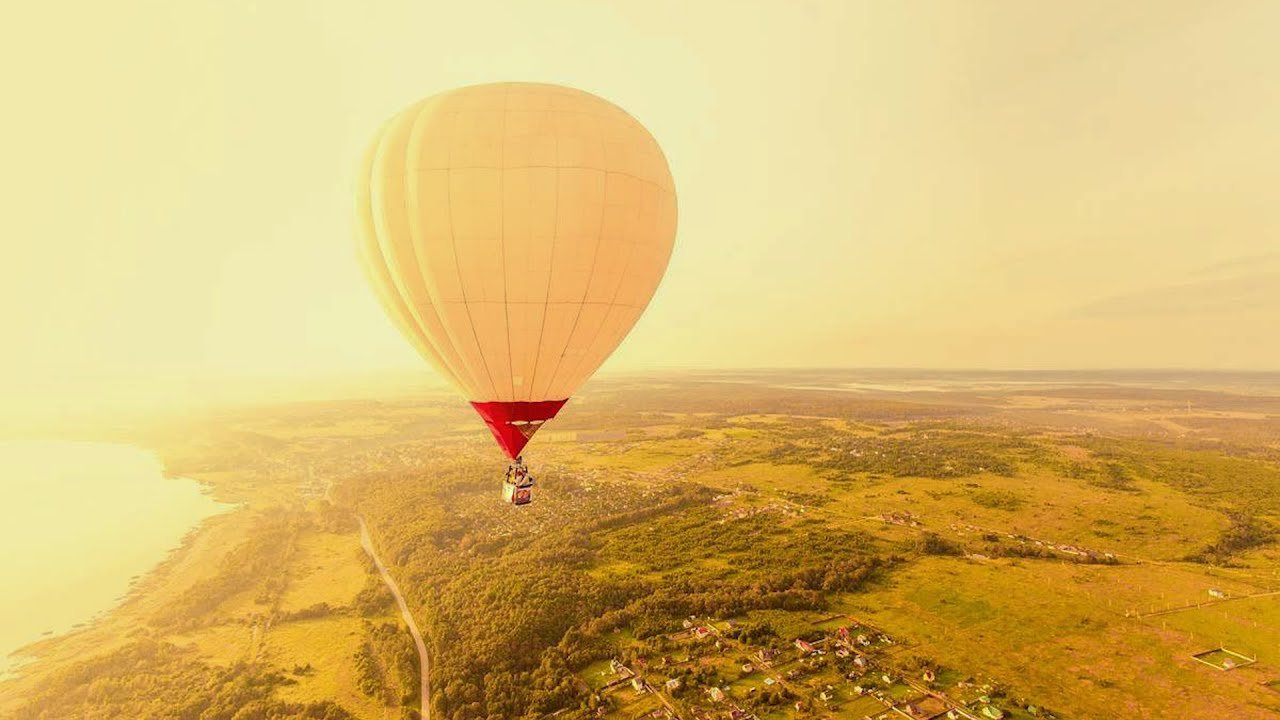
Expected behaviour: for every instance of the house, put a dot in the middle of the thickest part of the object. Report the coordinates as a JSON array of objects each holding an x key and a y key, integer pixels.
[
  {"x": 616, "y": 667},
  {"x": 638, "y": 685},
  {"x": 841, "y": 652},
  {"x": 804, "y": 646},
  {"x": 717, "y": 694},
  {"x": 737, "y": 713},
  {"x": 672, "y": 684},
  {"x": 825, "y": 696},
  {"x": 930, "y": 676},
  {"x": 1216, "y": 593},
  {"x": 993, "y": 712},
  {"x": 766, "y": 655},
  {"x": 701, "y": 631},
  {"x": 843, "y": 633},
  {"x": 687, "y": 624}
]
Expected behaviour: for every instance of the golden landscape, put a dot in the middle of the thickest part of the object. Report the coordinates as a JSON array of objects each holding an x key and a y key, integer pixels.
[
  {"x": 777, "y": 544},
  {"x": 583, "y": 360}
]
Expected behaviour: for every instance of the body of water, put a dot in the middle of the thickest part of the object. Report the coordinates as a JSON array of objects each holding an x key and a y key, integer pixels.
[{"x": 77, "y": 522}]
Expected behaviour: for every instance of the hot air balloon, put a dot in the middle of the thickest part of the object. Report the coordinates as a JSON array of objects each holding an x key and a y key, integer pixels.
[{"x": 514, "y": 233}]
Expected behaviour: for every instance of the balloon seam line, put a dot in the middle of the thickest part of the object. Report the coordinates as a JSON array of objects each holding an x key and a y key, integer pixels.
[
  {"x": 466, "y": 376},
  {"x": 546, "y": 295},
  {"x": 595, "y": 254},
  {"x": 502, "y": 237},
  {"x": 415, "y": 308},
  {"x": 413, "y": 324},
  {"x": 453, "y": 241}
]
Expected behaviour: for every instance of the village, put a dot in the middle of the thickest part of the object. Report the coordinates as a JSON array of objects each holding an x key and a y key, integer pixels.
[{"x": 842, "y": 667}]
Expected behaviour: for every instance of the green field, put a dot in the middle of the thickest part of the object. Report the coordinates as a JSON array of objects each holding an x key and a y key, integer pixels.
[{"x": 1063, "y": 552}]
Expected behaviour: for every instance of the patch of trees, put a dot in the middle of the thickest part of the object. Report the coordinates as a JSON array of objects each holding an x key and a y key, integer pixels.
[
  {"x": 1211, "y": 473},
  {"x": 805, "y": 498},
  {"x": 387, "y": 664},
  {"x": 1246, "y": 532},
  {"x": 312, "y": 612},
  {"x": 1113, "y": 476},
  {"x": 374, "y": 599},
  {"x": 150, "y": 680},
  {"x": 772, "y": 697},
  {"x": 368, "y": 674},
  {"x": 258, "y": 564},
  {"x": 1042, "y": 552},
  {"x": 1109, "y": 475},
  {"x": 931, "y": 543},
  {"x": 997, "y": 499},
  {"x": 753, "y": 633},
  {"x": 673, "y": 500},
  {"x": 919, "y": 454}
]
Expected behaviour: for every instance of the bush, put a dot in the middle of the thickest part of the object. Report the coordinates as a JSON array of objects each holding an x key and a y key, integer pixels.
[
  {"x": 997, "y": 499},
  {"x": 1245, "y": 533},
  {"x": 934, "y": 544}
]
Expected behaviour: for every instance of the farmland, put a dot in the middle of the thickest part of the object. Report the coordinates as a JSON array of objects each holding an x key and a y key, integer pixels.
[{"x": 777, "y": 545}]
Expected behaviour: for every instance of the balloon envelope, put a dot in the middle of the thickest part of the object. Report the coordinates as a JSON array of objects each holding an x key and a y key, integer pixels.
[{"x": 514, "y": 233}]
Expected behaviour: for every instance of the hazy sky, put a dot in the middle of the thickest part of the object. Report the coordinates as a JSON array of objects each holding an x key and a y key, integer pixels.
[{"x": 995, "y": 184}]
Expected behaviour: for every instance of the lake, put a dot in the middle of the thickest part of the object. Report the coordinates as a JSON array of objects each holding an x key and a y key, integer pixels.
[{"x": 78, "y": 520}]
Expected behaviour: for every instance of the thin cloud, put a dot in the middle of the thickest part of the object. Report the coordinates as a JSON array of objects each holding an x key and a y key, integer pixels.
[
  {"x": 1264, "y": 261},
  {"x": 1257, "y": 291}
]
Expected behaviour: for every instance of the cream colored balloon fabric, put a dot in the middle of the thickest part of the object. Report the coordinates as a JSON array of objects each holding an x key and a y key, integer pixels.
[{"x": 514, "y": 233}]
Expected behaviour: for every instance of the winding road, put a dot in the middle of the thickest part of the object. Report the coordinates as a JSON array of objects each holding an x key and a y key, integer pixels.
[{"x": 425, "y": 675}]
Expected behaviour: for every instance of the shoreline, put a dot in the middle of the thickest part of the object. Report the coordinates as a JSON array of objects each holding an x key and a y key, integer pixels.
[
  {"x": 23, "y": 662},
  {"x": 25, "y": 656}
]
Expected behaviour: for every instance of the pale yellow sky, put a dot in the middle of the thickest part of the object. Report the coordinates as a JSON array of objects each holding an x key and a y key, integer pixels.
[{"x": 941, "y": 184}]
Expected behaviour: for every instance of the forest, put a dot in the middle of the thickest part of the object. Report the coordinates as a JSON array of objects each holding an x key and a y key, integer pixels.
[
  {"x": 512, "y": 618},
  {"x": 151, "y": 680}
]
